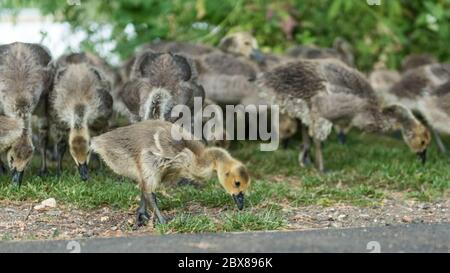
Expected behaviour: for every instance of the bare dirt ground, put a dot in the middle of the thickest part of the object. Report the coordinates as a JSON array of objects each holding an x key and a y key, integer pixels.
[{"x": 19, "y": 221}]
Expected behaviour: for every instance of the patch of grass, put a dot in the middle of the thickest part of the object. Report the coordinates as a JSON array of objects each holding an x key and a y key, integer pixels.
[
  {"x": 100, "y": 190},
  {"x": 362, "y": 172},
  {"x": 187, "y": 223},
  {"x": 235, "y": 221}
]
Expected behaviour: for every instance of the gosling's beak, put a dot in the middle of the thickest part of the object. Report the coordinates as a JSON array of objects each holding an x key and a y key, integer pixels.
[
  {"x": 83, "y": 170},
  {"x": 257, "y": 56},
  {"x": 422, "y": 156},
  {"x": 17, "y": 177},
  {"x": 239, "y": 200}
]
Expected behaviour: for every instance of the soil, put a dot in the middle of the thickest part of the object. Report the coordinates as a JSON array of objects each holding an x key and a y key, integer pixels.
[{"x": 19, "y": 221}]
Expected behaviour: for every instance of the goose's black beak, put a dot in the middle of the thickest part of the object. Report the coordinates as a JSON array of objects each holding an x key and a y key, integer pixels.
[
  {"x": 257, "y": 56},
  {"x": 83, "y": 170},
  {"x": 422, "y": 156},
  {"x": 239, "y": 200},
  {"x": 17, "y": 177}
]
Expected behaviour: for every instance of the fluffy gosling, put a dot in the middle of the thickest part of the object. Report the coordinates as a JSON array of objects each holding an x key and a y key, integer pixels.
[
  {"x": 80, "y": 104},
  {"x": 154, "y": 151},
  {"x": 325, "y": 92},
  {"x": 25, "y": 78}
]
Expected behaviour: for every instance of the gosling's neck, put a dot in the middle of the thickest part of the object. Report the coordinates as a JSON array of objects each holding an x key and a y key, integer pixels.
[
  {"x": 394, "y": 123},
  {"x": 212, "y": 157},
  {"x": 207, "y": 162}
]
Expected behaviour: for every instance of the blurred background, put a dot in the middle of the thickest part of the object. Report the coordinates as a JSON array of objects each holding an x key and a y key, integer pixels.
[{"x": 381, "y": 31}]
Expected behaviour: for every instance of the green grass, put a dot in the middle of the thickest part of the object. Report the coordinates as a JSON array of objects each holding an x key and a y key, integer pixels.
[{"x": 361, "y": 173}]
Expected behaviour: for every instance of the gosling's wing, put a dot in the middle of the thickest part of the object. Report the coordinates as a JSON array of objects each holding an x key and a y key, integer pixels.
[
  {"x": 298, "y": 79},
  {"x": 339, "y": 74}
]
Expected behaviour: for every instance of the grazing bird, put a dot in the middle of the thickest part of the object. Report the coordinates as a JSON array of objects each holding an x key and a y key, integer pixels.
[
  {"x": 154, "y": 151},
  {"x": 17, "y": 145},
  {"x": 324, "y": 92},
  {"x": 25, "y": 78},
  {"x": 158, "y": 82},
  {"x": 81, "y": 105}
]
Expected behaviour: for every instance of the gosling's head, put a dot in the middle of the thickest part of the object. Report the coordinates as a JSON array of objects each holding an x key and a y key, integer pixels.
[
  {"x": 18, "y": 156},
  {"x": 79, "y": 150},
  {"x": 234, "y": 177},
  {"x": 288, "y": 126},
  {"x": 242, "y": 43},
  {"x": 415, "y": 134}
]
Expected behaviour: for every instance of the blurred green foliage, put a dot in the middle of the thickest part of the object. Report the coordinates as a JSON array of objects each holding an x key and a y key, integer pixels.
[{"x": 385, "y": 32}]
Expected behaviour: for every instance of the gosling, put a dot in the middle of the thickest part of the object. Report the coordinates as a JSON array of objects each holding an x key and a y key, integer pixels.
[
  {"x": 155, "y": 151},
  {"x": 25, "y": 79},
  {"x": 81, "y": 104},
  {"x": 324, "y": 92},
  {"x": 17, "y": 144}
]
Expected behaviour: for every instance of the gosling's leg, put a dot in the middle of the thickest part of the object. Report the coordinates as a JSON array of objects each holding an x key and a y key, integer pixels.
[
  {"x": 340, "y": 135},
  {"x": 142, "y": 215},
  {"x": 304, "y": 158},
  {"x": 61, "y": 148},
  {"x": 3, "y": 170},
  {"x": 439, "y": 142},
  {"x": 151, "y": 198},
  {"x": 319, "y": 155},
  {"x": 43, "y": 142},
  {"x": 286, "y": 143}
]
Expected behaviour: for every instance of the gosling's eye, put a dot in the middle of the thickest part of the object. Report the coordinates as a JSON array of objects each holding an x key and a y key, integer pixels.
[
  {"x": 237, "y": 183},
  {"x": 247, "y": 43},
  {"x": 227, "y": 174},
  {"x": 423, "y": 142},
  {"x": 11, "y": 160}
]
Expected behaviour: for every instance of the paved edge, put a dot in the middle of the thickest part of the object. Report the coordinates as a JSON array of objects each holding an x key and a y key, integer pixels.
[{"x": 402, "y": 238}]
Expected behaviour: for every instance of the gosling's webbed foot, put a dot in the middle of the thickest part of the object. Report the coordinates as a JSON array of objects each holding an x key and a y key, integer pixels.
[
  {"x": 151, "y": 198},
  {"x": 142, "y": 218},
  {"x": 159, "y": 219}
]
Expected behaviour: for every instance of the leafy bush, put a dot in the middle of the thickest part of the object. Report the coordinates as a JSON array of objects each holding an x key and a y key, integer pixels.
[{"x": 385, "y": 32}]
